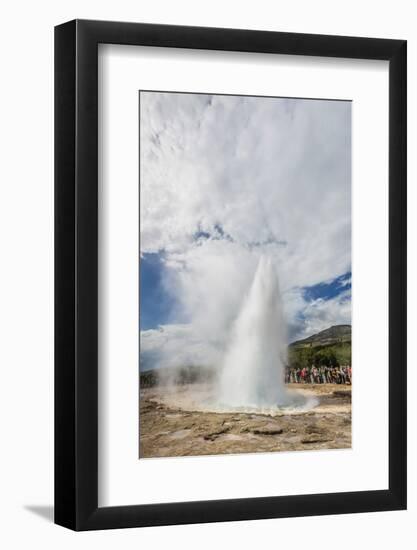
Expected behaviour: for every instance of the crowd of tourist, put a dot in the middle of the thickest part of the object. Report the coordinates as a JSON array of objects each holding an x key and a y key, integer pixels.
[{"x": 319, "y": 375}]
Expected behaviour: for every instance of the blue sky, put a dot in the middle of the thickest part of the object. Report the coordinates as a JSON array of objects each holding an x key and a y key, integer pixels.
[
  {"x": 158, "y": 305},
  {"x": 329, "y": 289},
  {"x": 156, "y": 302}
]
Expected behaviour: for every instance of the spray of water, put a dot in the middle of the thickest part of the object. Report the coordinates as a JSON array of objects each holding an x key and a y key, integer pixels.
[{"x": 253, "y": 371}]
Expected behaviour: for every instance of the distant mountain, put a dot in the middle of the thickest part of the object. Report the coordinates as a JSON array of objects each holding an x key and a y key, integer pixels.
[{"x": 336, "y": 334}]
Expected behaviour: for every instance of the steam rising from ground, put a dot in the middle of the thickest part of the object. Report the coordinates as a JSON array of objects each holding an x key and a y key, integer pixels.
[{"x": 251, "y": 374}]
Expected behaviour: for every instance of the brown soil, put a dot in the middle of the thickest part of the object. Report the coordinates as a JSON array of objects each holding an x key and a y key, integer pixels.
[{"x": 167, "y": 430}]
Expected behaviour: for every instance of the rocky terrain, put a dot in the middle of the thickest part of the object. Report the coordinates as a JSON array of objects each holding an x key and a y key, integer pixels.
[{"x": 172, "y": 426}]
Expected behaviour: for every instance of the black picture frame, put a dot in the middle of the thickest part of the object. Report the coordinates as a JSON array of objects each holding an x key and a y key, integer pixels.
[{"x": 76, "y": 272}]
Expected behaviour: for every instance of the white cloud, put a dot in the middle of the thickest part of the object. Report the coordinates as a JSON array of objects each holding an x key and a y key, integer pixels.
[
  {"x": 273, "y": 174},
  {"x": 177, "y": 345},
  {"x": 320, "y": 314}
]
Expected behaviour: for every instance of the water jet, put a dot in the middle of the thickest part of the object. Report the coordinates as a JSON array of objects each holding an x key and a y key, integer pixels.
[{"x": 252, "y": 374}]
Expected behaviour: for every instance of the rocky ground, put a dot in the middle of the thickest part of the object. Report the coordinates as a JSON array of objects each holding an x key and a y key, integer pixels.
[{"x": 167, "y": 429}]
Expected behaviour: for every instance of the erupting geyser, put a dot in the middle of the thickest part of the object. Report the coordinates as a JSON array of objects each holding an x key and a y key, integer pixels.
[{"x": 253, "y": 368}]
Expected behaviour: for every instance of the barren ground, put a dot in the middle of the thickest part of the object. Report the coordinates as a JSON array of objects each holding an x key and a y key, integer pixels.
[{"x": 170, "y": 425}]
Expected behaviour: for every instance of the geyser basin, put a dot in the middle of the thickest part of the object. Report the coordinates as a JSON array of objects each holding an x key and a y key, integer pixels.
[{"x": 203, "y": 398}]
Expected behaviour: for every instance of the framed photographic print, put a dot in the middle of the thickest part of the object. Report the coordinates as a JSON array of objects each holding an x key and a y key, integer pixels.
[{"x": 230, "y": 252}]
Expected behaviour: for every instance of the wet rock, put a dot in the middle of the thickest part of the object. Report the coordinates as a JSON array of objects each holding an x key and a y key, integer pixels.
[
  {"x": 314, "y": 439},
  {"x": 214, "y": 435},
  {"x": 267, "y": 430},
  {"x": 262, "y": 429},
  {"x": 313, "y": 429},
  {"x": 343, "y": 393},
  {"x": 171, "y": 431}
]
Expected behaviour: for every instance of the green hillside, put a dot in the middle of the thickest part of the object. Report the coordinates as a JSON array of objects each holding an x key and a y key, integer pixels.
[{"x": 330, "y": 347}]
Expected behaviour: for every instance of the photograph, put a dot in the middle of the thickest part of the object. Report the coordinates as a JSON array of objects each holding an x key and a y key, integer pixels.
[
  {"x": 208, "y": 335},
  {"x": 245, "y": 274}
]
